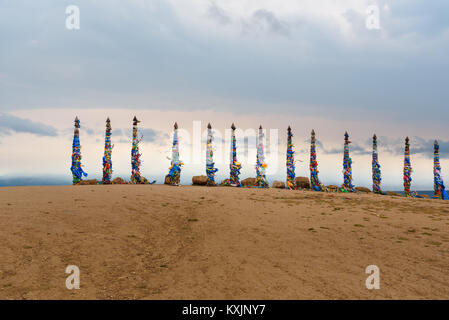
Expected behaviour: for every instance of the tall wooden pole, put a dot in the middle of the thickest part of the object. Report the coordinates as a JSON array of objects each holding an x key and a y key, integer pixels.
[
  {"x": 290, "y": 162},
  {"x": 210, "y": 169},
  {"x": 175, "y": 167},
  {"x": 376, "y": 168},
  {"x": 107, "y": 161},
  {"x": 261, "y": 180},
  {"x": 234, "y": 165},
  {"x": 347, "y": 167},
  {"x": 76, "y": 168},
  {"x": 407, "y": 169},
  {"x": 314, "y": 179},
  {"x": 135, "y": 155}
]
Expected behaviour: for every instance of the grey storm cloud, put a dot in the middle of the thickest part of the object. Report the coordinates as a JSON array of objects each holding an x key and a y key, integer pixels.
[
  {"x": 123, "y": 140},
  {"x": 354, "y": 148},
  {"x": 306, "y": 142},
  {"x": 270, "y": 20},
  {"x": 117, "y": 132},
  {"x": 218, "y": 14},
  {"x": 151, "y": 135},
  {"x": 10, "y": 124},
  {"x": 418, "y": 146},
  {"x": 146, "y": 134},
  {"x": 395, "y": 146},
  {"x": 260, "y": 20}
]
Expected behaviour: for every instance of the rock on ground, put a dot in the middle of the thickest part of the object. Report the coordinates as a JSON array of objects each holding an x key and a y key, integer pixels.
[
  {"x": 332, "y": 188},
  {"x": 391, "y": 193},
  {"x": 119, "y": 180},
  {"x": 167, "y": 179},
  {"x": 362, "y": 189},
  {"x": 249, "y": 182},
  {"x": 279, "y": 184},
  {"x": 302, "y": 182},
  {"x": 88, "y": 182},
  {"x": 199, "y": 180}
]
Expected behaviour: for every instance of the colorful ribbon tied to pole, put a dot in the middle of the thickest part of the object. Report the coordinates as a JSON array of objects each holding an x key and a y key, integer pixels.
[
  {"x": 407, "y": 169},
  {"x": 107, "y": 162},
  {"x": 210, "y": 169},
  {"x": 234, "y": 165},
  {"x": 314, "y": 180},
  {"x": 76, "y": 168},
  {"x": 261, "y": 180},
  {"x": 347, "y": 167},
  {"x": 175, "y": 167},
  {"x": 290, "y": 160},
  {"x": 376, "y": 168},
  {"x": 439, "y": 188}
]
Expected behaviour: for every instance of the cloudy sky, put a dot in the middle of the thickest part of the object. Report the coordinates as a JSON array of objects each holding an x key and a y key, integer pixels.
[{"x": 308, "y": 64}]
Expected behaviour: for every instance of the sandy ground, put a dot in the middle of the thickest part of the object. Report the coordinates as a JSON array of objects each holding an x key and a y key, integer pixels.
[{"x": 162, "y": 242}]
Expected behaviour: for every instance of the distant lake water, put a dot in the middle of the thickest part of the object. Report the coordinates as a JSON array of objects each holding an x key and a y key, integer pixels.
[{"x": 422, "y": 192}]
